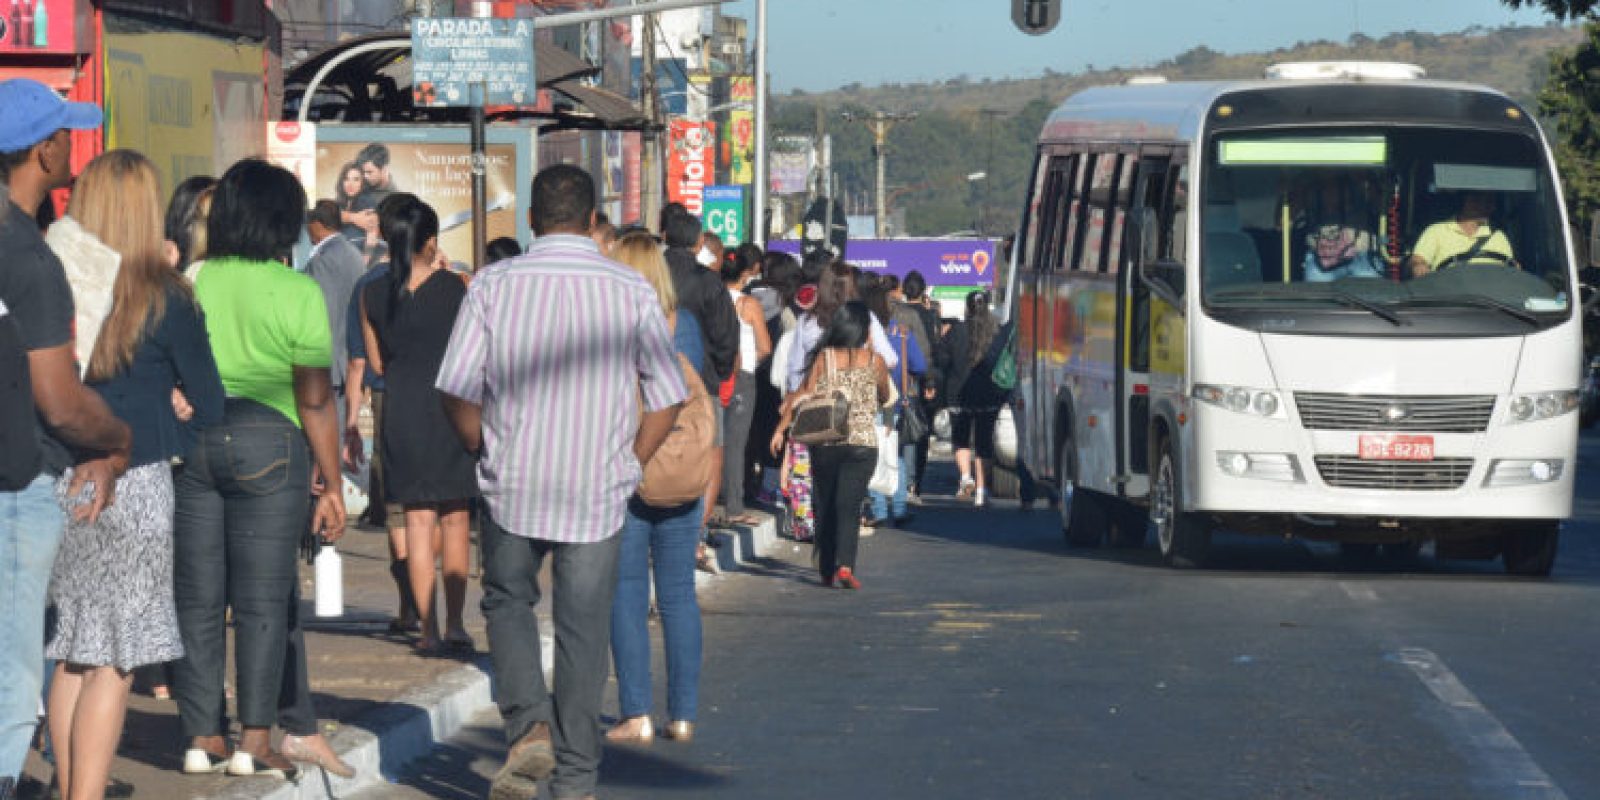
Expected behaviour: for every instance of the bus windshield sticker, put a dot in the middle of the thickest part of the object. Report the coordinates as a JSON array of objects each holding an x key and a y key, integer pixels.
[
  {"x": 1306, "y": 151},
  {"x": 1484, "y": 178}
]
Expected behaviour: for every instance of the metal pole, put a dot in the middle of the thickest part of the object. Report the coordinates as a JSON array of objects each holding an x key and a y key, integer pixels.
[
  {"x": 650, "y": 153},
  {"x": 759, "y": 213},
  {"x": 480, "y": 189}
]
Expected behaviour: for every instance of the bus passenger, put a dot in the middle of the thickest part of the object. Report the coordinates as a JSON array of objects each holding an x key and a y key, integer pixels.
[
  {"x": 1339, "y": 244},
  {"x": 1463, "y": 238}
]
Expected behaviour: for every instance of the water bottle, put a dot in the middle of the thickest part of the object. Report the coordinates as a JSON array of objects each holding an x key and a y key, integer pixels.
[{"x": 330, "y": 582}]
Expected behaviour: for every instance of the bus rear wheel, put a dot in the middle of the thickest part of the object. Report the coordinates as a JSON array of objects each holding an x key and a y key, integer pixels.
[
  {"x": 1183, "y": 537},
  {"x": 1083, "y": 521},
  {"x": 1530, "y": 549}
]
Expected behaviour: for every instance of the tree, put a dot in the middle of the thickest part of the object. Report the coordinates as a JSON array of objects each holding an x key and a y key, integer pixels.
[
  {"x": 1560, "y": 9},
  {"x": 1571, "y": 98}
]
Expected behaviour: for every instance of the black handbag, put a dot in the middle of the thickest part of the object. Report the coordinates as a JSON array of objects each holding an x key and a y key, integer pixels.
[
  {"x": 913, "y": 424},
  {"x": 822, "y": 418}
]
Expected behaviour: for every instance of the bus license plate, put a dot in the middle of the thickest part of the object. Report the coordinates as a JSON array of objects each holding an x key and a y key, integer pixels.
[{"x": 1397, "y": 448}]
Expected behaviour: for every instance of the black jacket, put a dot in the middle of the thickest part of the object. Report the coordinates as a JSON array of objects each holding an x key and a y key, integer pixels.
[
  {"x": 969, "y": 385},
  {"x": 701, "y": 293}
]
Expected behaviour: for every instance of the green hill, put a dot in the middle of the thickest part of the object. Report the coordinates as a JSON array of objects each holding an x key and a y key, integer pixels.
[{"x": 965, "y": 126}]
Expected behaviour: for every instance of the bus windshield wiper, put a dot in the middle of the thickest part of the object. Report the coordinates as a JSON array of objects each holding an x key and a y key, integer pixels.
[
  {"x": 1325, "y": 292},
  {"x": 1479, "y": 301}
]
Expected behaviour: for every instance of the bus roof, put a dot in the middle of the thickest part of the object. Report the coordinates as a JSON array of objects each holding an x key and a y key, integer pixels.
[{"x": 1175, "y": 111}]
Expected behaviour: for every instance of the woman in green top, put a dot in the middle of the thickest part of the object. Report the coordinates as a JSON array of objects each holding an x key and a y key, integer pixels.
[{"x": 242, "y": 496}]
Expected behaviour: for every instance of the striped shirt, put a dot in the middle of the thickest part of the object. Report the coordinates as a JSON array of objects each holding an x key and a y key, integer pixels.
[{"x": 558, "y": 346}]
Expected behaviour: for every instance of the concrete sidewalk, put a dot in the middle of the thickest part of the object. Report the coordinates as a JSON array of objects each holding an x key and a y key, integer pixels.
[{"x": 391, "y": 705}]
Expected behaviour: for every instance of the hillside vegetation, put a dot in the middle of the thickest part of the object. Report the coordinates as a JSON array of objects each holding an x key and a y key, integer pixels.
[{"x": 966, "y": 126}]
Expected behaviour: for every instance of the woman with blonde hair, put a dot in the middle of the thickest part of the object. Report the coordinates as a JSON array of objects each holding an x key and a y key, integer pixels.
[
  {"x": 112, "y": 582},
  {"x": 661, "y": 541}
]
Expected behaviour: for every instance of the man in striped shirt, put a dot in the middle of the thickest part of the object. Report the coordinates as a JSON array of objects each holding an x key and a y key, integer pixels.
[{"x": 551, "y": 356}]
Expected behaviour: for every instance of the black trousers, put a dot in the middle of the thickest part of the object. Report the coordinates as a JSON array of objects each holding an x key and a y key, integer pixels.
[{"x": 839, "y": 476}]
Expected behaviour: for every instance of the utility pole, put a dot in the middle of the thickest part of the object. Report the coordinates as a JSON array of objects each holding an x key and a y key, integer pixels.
[
  {"x": 650, "y": 157},
  {"x": 881, "y": 122},
  {"x": 759, "y": 215}
]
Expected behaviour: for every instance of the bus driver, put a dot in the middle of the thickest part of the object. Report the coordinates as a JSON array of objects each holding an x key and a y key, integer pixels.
[{"x": 1462, "y": 239}]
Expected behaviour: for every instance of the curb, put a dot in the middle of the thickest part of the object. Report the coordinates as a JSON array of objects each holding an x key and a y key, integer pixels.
[{"x": 382, "y": 743}]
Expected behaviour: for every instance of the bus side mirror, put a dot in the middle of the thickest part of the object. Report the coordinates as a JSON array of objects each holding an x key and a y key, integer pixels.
[{"x": 1166, "y": 279}]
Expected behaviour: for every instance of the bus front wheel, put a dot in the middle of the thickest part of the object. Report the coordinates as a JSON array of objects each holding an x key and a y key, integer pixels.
[
  {"x": 1183, "y": 537},
  {"x": 1530, "y": 549},
  {"x": 1083, "y": 521}
]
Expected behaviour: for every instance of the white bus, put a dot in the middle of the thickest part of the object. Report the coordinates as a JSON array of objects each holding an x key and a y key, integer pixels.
[{"x": 1334, "y": 303}]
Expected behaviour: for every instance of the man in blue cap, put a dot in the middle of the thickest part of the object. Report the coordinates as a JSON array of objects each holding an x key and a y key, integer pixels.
[{"x": 72, "y": 424}]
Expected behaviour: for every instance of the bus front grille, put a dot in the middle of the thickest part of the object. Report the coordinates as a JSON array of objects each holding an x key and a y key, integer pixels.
[
  {"x": 1350, "y": 472},
  {"x": 1349, "y": 412}
]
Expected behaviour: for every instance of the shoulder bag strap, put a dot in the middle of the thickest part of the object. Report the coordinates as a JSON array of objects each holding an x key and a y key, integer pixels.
[{"x": 905, "y": 368}]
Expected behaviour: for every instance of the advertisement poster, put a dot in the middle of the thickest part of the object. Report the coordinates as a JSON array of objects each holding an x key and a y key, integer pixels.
[
  {"x": 633, "y": 179},
  {"x": 742, "y": 124},
  {"x": 691, "y": 162},
  {"x": 942, "y": 262},
  {"x": 359, "y": 174},
  {"x": 45, "y": 26},
  {"x": 613, "y": 181},
  {"x": 293, "y": 146},
  {"x": 192, "y": 103},
  {"x": 789, "y": 165}
]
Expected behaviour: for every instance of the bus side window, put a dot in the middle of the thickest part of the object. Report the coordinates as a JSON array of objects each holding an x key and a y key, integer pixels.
[
  {"x": 1117, "y": 215},
  {"x": 1045, "y": 211},
  {"x": 1077, "y": 209},
  {"x": 1166, "y": 269}
]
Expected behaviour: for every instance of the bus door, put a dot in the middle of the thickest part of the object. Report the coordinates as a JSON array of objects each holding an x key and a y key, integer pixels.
[
  {"x": 1142, "y": 241},
  {"x": 1043, "y": 266}
]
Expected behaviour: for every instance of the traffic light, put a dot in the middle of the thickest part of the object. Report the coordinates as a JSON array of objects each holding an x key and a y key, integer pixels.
[{"x": 1036, "y": 17}]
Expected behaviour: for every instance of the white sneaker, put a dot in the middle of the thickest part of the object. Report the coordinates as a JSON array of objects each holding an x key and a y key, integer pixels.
[
  {"x": 199, "y": 762},
  {"x": 980, "y": 498}
]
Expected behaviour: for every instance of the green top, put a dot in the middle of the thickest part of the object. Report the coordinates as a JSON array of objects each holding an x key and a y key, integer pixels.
[{"x": 264, "y": 320}]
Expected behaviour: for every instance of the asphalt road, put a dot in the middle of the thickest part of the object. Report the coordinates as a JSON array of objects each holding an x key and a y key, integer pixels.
[{"x": 984, "y": 659}]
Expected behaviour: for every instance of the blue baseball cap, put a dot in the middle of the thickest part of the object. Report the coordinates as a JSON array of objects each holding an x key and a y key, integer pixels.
[{"x": 30, "y": 111}]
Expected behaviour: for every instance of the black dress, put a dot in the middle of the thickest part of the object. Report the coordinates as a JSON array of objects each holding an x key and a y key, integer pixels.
[{"x": 424, "y": 461}]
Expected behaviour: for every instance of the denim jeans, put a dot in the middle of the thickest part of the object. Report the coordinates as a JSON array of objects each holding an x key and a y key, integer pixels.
[
  {"x": 30, "y": 529},
  {"x": 882, "y": 504},
  {"x": 243, "y": 499},
  {"x": 583, "y": 581},
  {"x": 661, "y": 541}
]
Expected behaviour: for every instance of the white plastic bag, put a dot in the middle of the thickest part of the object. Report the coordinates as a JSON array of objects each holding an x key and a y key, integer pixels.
[{"x": 886, "y": 476}]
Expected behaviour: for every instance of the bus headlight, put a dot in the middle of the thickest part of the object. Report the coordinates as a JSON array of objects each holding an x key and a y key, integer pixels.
[
  {"x": 1544, "y": 405},
  {"x": 1240, "y": 399}
]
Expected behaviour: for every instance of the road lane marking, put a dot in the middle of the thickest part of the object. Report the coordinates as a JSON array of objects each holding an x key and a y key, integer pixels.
[
  {"x": 1498, "y": 751},
  {"x": 1359, "y": 592}
]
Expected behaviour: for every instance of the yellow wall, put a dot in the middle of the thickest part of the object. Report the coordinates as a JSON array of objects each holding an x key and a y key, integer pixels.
[{"x": 192, "y": 103}]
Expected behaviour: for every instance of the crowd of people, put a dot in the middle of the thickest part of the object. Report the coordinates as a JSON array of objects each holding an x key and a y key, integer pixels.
[{"x": 191, "y": 401}]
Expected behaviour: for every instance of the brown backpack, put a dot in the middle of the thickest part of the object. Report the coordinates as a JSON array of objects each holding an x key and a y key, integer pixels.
[{"x": 680, "y": 470}]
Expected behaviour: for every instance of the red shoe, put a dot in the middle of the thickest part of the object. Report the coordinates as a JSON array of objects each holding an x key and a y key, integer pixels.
[{"x": 847, "y": 578}]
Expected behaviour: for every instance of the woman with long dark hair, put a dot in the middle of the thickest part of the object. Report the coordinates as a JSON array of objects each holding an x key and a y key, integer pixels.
[
  {"x": 407, "y": 319},
  {"x": 112, "y": 582},
  {"x": 243, "y": 494},
  {"x": 836, "y": 286},
  {"x": 842, "y": 362},
  {"x": 185, "y": 220},
  {"x": 351, "y": 195},
  {"x": 974, "y": 399}
]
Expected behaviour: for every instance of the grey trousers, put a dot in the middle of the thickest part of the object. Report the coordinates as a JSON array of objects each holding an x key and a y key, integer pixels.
[
  {"x": 736, "y": 417},
  {"x": 583, "y": 583}
]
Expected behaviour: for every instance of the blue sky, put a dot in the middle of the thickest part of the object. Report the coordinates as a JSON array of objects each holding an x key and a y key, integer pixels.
[{"x": 824, "y": 44}]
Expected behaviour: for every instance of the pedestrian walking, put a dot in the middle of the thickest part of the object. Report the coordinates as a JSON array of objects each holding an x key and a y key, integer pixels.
[
  {"x": 243, "y": 494},
  {"x": 554, "y": 414},
  {"x": 36, "y": 304},
  {"x": 755, "y": 346},
  {"x": 914, "y": 289},
  {"x": 775, "y": 290},
  {"x": 407, "y": 321},
  {"x": 836, "y": 286},
  {"x": 658, "y": 543},
  {"x": 843, "y": 362},
  {"x": 887, "y": 508},
  {"x": 111, "y": 585},
  {"x": 975, "y": 401}
]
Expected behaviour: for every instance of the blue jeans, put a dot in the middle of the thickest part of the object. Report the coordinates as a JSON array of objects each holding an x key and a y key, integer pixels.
[
  {"x": 662, "y": 539},
  {"x": 881, "y": 504},
  {"x": 30, "y": 529}
]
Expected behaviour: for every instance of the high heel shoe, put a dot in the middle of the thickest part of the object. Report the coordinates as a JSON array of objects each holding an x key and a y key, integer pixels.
[
  {"x": 296, "y": 748},
  {"x": 847, "y": 578},
  {"x": 679, "y": 730},
  {"x": 635, "y": 730}
]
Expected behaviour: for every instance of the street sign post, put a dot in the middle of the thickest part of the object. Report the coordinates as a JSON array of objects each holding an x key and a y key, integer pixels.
[
  {"x": 473, "y": 62},
  {"x": 724, "y": 213},
  {"x": 1035, "y": 17}
]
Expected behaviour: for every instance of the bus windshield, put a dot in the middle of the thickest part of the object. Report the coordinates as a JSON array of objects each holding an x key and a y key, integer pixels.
[{"x": 1395, "y": 223}]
